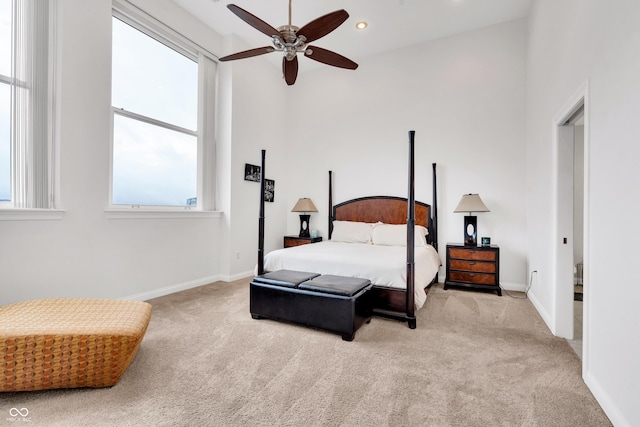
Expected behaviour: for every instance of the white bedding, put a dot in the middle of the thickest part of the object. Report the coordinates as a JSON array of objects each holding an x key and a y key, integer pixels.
[{"x": 383, "y": 265}]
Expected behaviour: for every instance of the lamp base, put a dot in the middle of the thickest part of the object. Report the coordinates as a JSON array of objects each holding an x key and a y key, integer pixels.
[
  {"x": 470, "y": 230},
  {"x": 304, "y": 226}
]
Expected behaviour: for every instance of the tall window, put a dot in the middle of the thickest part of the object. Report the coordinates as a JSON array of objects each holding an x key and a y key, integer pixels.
[
  {"x": 27, "y": 53},
  {"x": 158, "y": 140},
  {"x": 5, "y": 101}
]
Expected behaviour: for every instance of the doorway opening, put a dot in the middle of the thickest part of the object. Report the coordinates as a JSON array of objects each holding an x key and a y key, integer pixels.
[{"x": 578, "y": 232}]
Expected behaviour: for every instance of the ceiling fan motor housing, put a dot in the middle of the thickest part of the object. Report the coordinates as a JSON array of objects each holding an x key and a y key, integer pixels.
[{"x": 289, "y": 43}]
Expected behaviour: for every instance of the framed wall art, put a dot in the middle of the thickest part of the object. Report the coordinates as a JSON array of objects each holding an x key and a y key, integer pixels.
[
  {"x": 251, "y": 172},
  {"x": 269, "y": 190}
]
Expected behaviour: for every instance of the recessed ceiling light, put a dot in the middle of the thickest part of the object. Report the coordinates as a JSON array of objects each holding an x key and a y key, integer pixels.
[{"x": 361, "y": 25}]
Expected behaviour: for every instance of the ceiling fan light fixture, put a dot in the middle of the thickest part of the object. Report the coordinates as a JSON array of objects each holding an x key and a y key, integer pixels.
[
  {"x": 361, "y": 25},
  {"x": 289, "y": 53}
]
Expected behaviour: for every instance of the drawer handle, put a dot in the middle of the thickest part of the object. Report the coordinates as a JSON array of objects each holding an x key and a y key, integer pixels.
[{"x": 472, "y": 263}]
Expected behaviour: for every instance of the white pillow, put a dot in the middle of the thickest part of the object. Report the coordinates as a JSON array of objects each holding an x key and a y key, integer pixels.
[
  {"x": 351, "y": 232},
  {"x": 396, "y": 235}
]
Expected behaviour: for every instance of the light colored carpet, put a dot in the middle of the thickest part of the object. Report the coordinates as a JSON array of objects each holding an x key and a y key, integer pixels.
[{"x": 475, "y": 359}]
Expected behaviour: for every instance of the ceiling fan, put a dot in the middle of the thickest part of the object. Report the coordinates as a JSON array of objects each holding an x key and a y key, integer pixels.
[{"x": 290, "y": 40}]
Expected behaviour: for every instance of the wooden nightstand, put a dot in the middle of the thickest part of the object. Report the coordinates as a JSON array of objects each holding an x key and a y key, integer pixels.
[
  {"x": 473, "y": 267},
  {"x": 290, "y": 241}
]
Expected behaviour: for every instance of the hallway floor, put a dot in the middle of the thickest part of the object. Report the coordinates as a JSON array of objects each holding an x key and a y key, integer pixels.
[{"x": 576, "y": 342}]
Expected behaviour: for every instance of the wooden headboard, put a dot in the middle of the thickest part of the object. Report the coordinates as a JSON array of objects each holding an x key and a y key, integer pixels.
[{"x": 386, "y": 209}]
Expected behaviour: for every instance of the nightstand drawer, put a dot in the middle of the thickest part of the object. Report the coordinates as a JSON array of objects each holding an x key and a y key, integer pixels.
[
  {"x": 294, "y": 242},
  {"x": 479, "y": 278},
  {"x": 475, "y": 266},
  {"x": 472, "y": 254},
  {"x": 290, "y": 241}
]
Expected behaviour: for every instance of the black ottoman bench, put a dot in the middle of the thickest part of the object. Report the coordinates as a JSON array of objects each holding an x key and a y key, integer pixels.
[{"x": 333, "y": 303}]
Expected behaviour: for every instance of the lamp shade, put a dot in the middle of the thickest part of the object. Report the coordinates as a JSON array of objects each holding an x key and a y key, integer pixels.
[
  {"x": 304, "y": 205},
  {"x": 471, "y": 203}
]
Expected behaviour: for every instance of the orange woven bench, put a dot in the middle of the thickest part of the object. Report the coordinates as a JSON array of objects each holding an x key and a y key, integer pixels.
[{"x": 69, "y": 342}]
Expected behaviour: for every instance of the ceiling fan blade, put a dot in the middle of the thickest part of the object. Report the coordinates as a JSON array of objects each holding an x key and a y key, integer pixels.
[
  {"x": 322, "y": 26},
  {"x": 248, "y": 53},
  {"x": 253, "y": 20},
  {"x": 330, "y": 58},
  {"x": 290, "y": 70}
]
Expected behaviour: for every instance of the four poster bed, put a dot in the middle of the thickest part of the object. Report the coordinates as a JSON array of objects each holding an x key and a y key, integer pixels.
[{"x": 390, "y": 241}]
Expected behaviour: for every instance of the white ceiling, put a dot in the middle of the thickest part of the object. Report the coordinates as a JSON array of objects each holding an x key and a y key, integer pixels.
[{"x": 392, "y": 23}]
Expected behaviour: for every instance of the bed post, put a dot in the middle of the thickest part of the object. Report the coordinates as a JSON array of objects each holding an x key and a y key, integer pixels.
[
  {"x": 330, "y": 228},
  {"x": 411, "y": 227},
  {"x": 261, "y": 219},
  {"x": 434, "y": 215}
]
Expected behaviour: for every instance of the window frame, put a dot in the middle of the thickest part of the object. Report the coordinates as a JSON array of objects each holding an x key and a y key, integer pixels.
[
  {"x": 10, "y": 210},
  {"x": 163, "y": 34},
  {"x": 7, "y": 80}
]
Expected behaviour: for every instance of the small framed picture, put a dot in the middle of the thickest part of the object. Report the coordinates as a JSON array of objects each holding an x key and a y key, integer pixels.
[
  {"x": 251, "y": 172},
  {"x": 269, "y": 190}
]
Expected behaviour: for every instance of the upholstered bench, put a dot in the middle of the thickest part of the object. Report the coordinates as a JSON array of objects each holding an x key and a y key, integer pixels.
[
  {"x": 333, "y": 303},
  {"x": 69, "y": 342}
]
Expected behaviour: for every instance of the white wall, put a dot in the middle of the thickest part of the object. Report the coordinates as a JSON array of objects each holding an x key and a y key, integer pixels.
[
  {"x": 86, "y": 254},
  {"x": 571, "y": 42},
  {"x": 465, "y": 98},
  {"x": 258, "y": 118}
]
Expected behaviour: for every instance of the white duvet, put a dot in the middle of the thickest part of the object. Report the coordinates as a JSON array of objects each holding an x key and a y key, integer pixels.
[{"x": 383, "y": 265}]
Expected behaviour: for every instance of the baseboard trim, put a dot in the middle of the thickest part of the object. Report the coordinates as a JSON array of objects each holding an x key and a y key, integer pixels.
[
  {"x": 604, "y": 400},
  {"x": 516, "y": 287},
  {"x": 543, "y": 313},
  {"x": 160, "y": 292},
  {"x": 237, "y": 276},
  {"x": 167, "y": 290}
]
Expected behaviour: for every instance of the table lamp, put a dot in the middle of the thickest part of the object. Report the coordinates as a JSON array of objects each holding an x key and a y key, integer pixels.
[
  {"x": 471, "y": 203},
  {"x": 304, "y": 205}
]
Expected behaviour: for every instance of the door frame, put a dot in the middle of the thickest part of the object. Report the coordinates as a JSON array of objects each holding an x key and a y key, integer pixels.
[{"x": 563, "y": 224}]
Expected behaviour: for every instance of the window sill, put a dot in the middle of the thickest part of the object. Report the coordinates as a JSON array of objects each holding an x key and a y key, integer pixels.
[
  {"x": 116, "y": 213},
  {"x": 20, "y": 214}
]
